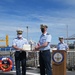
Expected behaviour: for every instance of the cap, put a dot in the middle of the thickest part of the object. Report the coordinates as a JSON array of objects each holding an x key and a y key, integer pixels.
[
  {"x": 19, "y": 31},
  {"x": 43, "y": 26},
  {"x": 61, "y": 37}
]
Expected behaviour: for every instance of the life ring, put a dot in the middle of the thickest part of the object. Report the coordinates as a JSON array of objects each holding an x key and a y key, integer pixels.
[
  {"x": 6, "y": 67},
  {"x": 0, "y": 64}
]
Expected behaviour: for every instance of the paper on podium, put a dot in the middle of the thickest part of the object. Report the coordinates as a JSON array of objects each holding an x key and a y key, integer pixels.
[{"x": 26, "y": 47}]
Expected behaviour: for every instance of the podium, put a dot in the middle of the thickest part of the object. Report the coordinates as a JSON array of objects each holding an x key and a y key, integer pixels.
[{"x": 59, "y": 62}]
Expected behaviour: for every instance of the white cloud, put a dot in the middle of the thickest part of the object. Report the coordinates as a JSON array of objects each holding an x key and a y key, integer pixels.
[
  {"x": 13, "y": 26},
  {"x": 60, "y": 18},
  {"x": 64, "y": 19},
  {"x": 71, "y": 2},
  {"x": 66, "y": 2}
]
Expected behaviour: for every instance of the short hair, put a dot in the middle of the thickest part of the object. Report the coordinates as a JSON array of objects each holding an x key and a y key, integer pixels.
[{"x": 43, "y": 26}]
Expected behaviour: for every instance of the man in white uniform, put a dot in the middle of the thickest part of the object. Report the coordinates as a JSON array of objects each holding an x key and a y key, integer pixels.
[
  {"x": 20, "y": 55},
  {"x": 44, "y": 48},
  {"x": 61, "y": 45}
]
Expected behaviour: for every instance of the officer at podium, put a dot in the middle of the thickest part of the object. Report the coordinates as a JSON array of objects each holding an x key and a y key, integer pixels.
[
  {"x": 61, "y": 45},
  {"x": 44, "y": 48},
  {"x": 20, "y": 55}
]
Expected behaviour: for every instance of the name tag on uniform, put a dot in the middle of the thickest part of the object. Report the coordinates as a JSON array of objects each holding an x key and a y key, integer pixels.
[{"x": 26, "y": 47}]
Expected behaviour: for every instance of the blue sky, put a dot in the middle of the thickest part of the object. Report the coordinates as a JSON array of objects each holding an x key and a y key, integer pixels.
[{"x": 57, "y": 14}]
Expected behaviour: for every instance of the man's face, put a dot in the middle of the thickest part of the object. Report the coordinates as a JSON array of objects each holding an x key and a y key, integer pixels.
[
  {"x": 19, "y": 35},
  {"x": 43, "y": 30},
  {"x": 61, "y": 39}
]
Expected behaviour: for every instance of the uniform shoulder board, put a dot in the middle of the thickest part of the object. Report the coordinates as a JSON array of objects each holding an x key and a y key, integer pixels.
[{"x": 47, "y": 34}]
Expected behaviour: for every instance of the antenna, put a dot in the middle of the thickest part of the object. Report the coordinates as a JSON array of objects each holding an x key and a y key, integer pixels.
[
  {"x": 67, "y": 33},
  {"x": 27, "y": 31}
]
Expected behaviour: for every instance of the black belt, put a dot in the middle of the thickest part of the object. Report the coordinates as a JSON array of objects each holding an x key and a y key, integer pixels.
[
  {"x": 44, "y": 50},
  {"x": 20, "y": 51}
]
